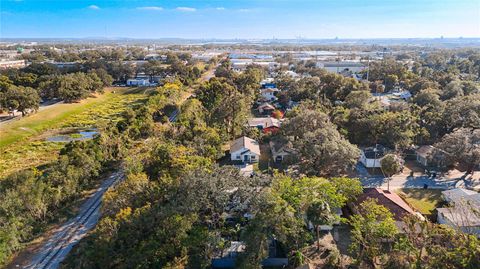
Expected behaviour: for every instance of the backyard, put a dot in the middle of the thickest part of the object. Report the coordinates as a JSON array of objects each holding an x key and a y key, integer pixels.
[{"x": 423, "y": 200}]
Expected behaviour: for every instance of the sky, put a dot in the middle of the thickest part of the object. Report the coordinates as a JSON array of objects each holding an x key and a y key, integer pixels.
[{"x": 251, "y": 19}]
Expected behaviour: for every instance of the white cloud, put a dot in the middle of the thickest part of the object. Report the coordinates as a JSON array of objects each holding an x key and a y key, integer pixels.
[
  {"x": 150, "y": 8},
  {"x": 244, "y": 10},
  {"x": 220, "y": 8},
  {"x": 94, "y": 7},
  {"x": 186, "y": 9}
]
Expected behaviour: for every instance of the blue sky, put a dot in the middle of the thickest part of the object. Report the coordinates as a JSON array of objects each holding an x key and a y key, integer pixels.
[{"x": 240, "y": 18}]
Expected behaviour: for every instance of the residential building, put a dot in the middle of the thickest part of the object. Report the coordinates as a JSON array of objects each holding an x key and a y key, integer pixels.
[
  {"x": 12, "y": 64},
  {"x": 245, "y": 149},
  {"x": 402, "y": 94},
  {"x": 66, "y": 65},
  {"x": 268, "y": 83},
  {"x": 463, "y": 211},
  {"x": 430, "y": 156},
  {"x": 227, "y": 259},
  {"x": 281, "y": 149},
  {"x": 392, "y": 201},
  {"x": 423, "y": 154},
  {"x": 268, "y": 94},
  {"x": 266, "y": 109},
  {"x": 138, "y": 82},
  {"x": 292, "y": 74},
  {"x": 371, "y": 157},
  {"x": 266, "y": 124}
]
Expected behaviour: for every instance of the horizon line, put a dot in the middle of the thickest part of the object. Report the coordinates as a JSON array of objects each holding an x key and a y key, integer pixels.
[{"x": 247, "y": 38}]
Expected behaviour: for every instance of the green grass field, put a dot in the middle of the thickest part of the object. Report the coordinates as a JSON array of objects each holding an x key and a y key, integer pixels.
[
  {"x": 423, "y": 200},
  {"x": 20, "y": 143}
]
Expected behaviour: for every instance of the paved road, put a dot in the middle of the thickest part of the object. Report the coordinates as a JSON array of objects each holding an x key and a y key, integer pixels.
[
  {"x": 56, "y": 248},
  {"x": 402, "y": 181}
]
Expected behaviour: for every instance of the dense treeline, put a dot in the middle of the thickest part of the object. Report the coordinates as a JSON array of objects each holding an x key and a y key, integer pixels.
[
  {"x": 23, "y": 89},
  {"x": 445, "y": 96},
  {"x": 228, "y": 98},
  {"x": 31, "y": 199}
]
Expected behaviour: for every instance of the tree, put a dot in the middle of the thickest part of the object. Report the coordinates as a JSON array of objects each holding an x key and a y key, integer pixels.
[
  {"x": 372, "y": 225},
  {"x": 358, "y": 99},
  {"x": 463, "y": 147},
  {"x": 452, "y": 89},
  {"x": 153, "y": 68},
  {"x": 391, "y": 81},
  {"x": 427, "y": 97},
  {"x": 395, "y": 128},
  {"x": 327, "y": 196},
  {"x": 103, "y": 75},
  {"x": 5, "y": 83},
  {"x": 427, "y": 245},
  {"x": 391, "y": 164},
  {"x": 20, "y": 98},
  {"x": 320, "y": 148},
  {"x": 461, "y": 112},
  {"x": 470, "y": 87},
  {"x": 284, "y": 210},
  {"x": 249, "y": 80},
  {"x": 227, "y": 107}
]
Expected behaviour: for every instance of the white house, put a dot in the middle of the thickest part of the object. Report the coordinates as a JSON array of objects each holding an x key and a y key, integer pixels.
[
  {"x": 138, "y": 82},
  {"x": 268, "y": 94},
  {"x": 245, "y": 149},
  {"x": 372, "y": 156}
]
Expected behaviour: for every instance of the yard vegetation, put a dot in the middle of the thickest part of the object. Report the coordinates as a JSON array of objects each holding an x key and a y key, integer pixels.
[
  {"x": 423, "y": 200},
  {"x": 23, "y": 144}
]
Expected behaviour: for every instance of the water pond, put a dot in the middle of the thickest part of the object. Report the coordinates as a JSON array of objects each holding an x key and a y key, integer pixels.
[{"x": 74, "y": 136}]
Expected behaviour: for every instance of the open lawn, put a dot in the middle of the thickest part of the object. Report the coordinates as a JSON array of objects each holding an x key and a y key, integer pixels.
[
  {"x": 423, "y": 200},
  {"x": 22, "y": 143}
]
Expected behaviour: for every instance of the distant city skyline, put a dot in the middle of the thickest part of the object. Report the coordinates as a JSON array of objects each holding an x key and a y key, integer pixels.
[{"x": 247, "y": 19}]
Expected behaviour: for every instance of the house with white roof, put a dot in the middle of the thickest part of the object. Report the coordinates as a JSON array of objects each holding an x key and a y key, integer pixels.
[
  {"x": 245, "y": 149},
  {"x": 268, "y": 94}
]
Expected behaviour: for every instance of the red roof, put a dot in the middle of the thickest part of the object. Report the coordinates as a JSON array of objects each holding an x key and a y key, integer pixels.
[{"x": 388, "y": 199}]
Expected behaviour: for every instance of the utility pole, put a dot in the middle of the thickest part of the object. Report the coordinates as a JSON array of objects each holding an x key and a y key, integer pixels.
[
  {"x": 384, "y": 72},
  {"x": 368, "y": 66},
  {"x": 338, "y": 62}
]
